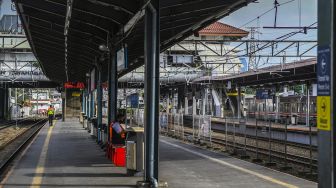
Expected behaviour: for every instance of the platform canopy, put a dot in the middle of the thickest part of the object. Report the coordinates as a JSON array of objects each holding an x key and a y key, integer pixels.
[
  {"x": 96, "y": 22},
  {"x": 288, "y": 73}
]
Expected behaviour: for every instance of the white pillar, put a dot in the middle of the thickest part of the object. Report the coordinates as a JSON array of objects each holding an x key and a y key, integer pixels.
[
  {"x": 186, "y": 111},
  {"x": 204, "y": 103},
  {"x": 194, "y": 103}
]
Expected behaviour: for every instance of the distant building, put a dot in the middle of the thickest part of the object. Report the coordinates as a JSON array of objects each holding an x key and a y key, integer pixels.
[{"x": 210, "y": 47}]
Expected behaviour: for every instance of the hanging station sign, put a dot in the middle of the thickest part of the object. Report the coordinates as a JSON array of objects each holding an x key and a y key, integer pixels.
[
  {"x": 74, "y": 85},
  {"x": 122, "y": 59},
  {"x": 93, "y": 80},
  {"x": 263, "y": 94}
]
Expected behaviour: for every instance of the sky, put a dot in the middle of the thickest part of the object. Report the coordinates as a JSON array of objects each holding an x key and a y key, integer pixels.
[
  {"x": 6, "y": 8},
  {"x": 288, "y": 15}
]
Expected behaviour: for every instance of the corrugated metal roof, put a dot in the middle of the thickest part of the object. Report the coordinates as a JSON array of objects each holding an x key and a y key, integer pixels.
[
  {"x": 299, "y": 72},
  {"x": 95, "y": 22},
  {"x": 221, "y": 29}
]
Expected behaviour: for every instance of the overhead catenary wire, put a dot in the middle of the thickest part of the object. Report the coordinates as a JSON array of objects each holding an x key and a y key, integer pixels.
[
  {"x": 264, "y": 13},
  {"x": 265, "y": 46}
]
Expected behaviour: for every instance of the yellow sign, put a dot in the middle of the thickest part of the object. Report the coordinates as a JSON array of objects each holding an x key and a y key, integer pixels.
[
  {"x": 75, "y": 94},
  {"x": 323, "y": 113}
]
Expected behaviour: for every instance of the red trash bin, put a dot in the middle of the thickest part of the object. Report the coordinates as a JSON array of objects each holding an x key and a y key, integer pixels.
[{"x": 119, "y": 156}]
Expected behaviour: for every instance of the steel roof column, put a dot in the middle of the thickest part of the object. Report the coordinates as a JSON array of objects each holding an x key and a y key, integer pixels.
[
  {"x": 152, "y": 91},
  {"x": 99, "y": 103},
  {"x": 4, "y": 102},
  {"x": 326, "y": 95},
  {"x": 83, "y": 101},
  {"x": 109, "y": 89},
  {"x": 113, "y": 89},
  {"x": 63, "y": 104}
]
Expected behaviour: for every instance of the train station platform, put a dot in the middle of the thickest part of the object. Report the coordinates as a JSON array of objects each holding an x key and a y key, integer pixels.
[
  {"x": 261, "y": 123},
  {"x": 66, "y": 156}
]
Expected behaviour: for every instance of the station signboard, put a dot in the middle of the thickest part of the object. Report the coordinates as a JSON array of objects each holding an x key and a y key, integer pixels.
[
  {"x": 263, "y": 94},
  {"x": 74, "y": 85},
  {"x": 323, "y": 88},
  {"x": 93, "y": 80},
  {"x": 122, "y": 59},
  {"x": 75, "y": 94}
]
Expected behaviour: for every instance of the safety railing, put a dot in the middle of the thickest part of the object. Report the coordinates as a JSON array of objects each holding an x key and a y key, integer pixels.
[
  {"x": 137, "y": 118},
  {"x": 201, "y": 129},
  {"x": 261, "y": 140},
  {"x": 178, "y": 125},
  {"x": 164, "y": 123}
]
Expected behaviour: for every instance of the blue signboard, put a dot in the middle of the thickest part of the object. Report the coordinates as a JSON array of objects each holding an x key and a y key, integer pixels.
[
  {"x": 133, "y": 100},
  {"x": 323, "y": 71},
  {"x": 244, "y": 66},
  {"x": 262, "y": 94}
]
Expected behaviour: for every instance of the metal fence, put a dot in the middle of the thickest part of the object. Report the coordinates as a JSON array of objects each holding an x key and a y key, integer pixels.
[
  {"x": 137, "y": 118},
  {"x": 164, "y": 123},
  {"x": 201, "y": 129},
  {"x": 268, "y": 141},
  {"x": 178, "y": 125},
  {"x": 258, "y": 139}
]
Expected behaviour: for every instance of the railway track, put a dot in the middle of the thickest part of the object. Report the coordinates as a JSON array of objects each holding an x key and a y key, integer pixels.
[
  {"x": 283, "y": 156},
  {"x": 273, "y": 154},
  {"x": 12, "y": 123},
  {"x": 12, "y": 148},
  {"x": 236, "y": 145},
  {"x": 261, "y": 138}
]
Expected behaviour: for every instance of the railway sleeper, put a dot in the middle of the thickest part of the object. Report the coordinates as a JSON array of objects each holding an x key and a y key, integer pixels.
[
  {"x": 271, "y": 164},
  {"x": 286, "y": 168},
  {"x": 257, "y": 160},
  {"x": 242, "y": 153}
]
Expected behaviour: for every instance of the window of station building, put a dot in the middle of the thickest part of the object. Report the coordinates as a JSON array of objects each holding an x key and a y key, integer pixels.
[{"x": 184, "y": 59}]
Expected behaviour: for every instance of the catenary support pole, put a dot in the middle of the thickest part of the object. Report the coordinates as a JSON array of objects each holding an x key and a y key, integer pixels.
[
  {"x": 152, "y": 91},
  {"x": 308, "y": 105},
  {"x": 239, "y": 103}
]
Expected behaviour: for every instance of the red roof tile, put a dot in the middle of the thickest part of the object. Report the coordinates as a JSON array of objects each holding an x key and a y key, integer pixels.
[{"x": 221, "y": 29}]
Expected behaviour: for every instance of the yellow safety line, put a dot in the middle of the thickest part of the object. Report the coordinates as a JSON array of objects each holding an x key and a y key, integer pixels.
[
  {"x": 279, "y": 182},
  {"x": 37, "y": 180}
]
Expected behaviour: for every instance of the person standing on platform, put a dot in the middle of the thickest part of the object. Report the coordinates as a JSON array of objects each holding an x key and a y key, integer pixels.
[{"x": 51, "y": 113}]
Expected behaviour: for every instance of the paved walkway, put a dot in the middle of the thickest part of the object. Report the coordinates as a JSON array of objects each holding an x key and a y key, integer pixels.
[{"x": 66, "y": 156}]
